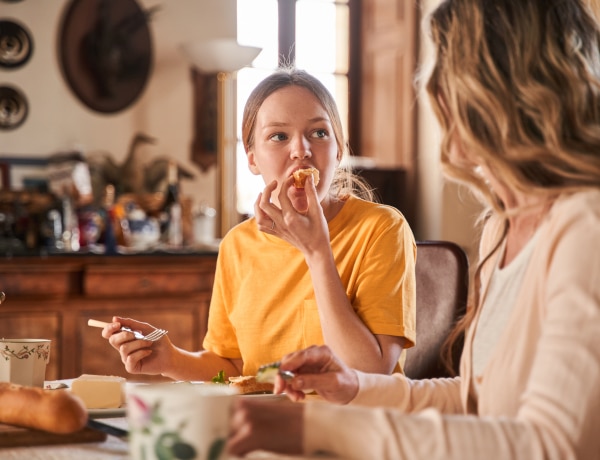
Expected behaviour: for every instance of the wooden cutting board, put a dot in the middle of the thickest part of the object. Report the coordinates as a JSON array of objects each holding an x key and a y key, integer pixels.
[{"x": 12, "y": 436}]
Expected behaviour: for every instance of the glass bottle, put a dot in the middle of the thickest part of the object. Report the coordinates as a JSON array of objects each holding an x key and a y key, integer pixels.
[
  {"x": 171, "y": 212},
  {"x": 110, "y": 239}
]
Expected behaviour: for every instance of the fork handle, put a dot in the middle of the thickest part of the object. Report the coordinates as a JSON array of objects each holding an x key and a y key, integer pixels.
[{"x": 96, "y": 323}]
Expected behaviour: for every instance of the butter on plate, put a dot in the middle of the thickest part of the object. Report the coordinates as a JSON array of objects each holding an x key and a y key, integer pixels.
[{"x": 100, "y": 391}]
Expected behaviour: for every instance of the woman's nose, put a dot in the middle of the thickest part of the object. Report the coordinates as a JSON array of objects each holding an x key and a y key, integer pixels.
[{"x": 301, "y": 149}]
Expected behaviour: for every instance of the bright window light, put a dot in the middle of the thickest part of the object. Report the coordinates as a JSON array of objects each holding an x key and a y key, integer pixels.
[{"x": 322, "y": 37}]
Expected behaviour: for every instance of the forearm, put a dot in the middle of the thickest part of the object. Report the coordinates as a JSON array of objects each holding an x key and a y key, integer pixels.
[
  {"x": 199, "y": 365},
  {"x": 343, "y": 330}
]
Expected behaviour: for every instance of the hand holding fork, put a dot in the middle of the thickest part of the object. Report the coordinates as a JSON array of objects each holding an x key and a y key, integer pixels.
[{"x": 153, "y": 336}]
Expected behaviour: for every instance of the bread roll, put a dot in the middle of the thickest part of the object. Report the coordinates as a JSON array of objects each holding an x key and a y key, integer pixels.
[
  {"x": 247, "y": 385},
  {"x": 55, "y": 411},
  {"x": 301, "y": 175}
]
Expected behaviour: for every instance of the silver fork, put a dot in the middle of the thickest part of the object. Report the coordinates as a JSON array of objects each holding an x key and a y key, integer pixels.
[{"x": 153, "y": 336}]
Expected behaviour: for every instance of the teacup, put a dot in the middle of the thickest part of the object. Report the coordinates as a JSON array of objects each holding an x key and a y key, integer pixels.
[
  {"x": 178, "y": 420},
  {"x": 23, "y": 361}
]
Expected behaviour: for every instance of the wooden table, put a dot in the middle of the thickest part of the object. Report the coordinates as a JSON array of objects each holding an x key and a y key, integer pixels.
[{"x": 111, "y": 448}]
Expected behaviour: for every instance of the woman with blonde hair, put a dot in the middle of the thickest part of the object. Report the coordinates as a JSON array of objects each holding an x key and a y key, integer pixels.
[{"x": 516, "y": 88}]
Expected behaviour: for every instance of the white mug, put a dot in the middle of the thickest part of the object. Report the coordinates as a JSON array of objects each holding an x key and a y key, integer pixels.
[
  {"x": 178, "y": 420},
  {"x": 23, "y": 361}
]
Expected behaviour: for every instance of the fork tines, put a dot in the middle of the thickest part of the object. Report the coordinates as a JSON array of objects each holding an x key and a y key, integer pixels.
[{"x": 155, "y": 335}]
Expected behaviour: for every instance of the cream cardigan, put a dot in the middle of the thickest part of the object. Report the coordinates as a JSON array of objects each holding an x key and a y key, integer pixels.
[{"x": 540, "y": 395}]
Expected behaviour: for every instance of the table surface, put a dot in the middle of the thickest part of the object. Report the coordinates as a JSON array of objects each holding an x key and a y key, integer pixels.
[{"x": 111, "y": 449}]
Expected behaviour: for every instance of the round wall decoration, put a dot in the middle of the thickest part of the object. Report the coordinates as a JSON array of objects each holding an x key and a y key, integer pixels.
[
  {"x": 16, "y": 45},
  {"x": 105, "y": 52},
  {"x": 13, "y": 107}
]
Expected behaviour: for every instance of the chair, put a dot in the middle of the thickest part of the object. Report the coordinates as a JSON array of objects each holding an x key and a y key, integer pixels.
[{"x": 442, "y": 271}]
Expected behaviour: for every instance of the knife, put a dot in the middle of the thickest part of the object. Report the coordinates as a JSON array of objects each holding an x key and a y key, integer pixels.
[{"x": 108, "y": 429}]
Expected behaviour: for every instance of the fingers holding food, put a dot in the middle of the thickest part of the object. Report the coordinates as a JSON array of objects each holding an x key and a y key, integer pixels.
[{"x": 301, "y": 175}]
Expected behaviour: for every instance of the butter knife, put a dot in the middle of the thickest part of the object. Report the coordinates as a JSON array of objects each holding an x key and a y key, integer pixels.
[{"x": 108, "y": 429}]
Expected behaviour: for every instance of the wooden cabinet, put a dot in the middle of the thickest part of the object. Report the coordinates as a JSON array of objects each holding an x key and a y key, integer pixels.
[{"x": 53, "y": 297}]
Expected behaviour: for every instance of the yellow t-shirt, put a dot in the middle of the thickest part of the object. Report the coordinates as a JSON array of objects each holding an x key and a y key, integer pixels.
[{"x": 263, "y": 305}]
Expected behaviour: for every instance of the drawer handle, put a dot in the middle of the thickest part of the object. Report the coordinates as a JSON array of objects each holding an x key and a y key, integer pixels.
[{"x": 145, "y": 283}]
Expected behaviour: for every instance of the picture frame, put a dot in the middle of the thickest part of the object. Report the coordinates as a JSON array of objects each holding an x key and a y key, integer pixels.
[{"x": 23, "y": 173}]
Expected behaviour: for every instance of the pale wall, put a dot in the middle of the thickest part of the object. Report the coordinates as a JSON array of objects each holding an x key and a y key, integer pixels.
[
  {"x": 445, "y": 210},
  {"x": 58, "y": 121}
]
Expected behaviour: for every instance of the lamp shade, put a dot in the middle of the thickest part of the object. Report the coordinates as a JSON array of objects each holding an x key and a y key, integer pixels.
[{"x": 219, "y": 55}]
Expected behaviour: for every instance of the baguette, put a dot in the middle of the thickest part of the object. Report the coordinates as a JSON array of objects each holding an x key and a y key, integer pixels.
[
  {"x": 301, "y": 175},
  {"x": 54, "y": 411}
]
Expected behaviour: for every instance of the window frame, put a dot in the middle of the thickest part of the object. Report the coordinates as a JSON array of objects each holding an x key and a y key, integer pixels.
[{"x": 287, "y": 54}]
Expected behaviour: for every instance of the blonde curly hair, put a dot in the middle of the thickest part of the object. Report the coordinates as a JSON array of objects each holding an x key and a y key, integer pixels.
[{"x": 517, "y": 83}]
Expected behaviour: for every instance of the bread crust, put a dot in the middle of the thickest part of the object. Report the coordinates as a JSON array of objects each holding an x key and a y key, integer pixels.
[
  {"x": 247, "y": 385},
  {"x": 300, "y": 176},
  {"x": 55, "y": 411}
]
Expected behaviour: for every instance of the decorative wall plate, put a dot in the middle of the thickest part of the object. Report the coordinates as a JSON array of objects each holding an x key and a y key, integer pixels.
[
  {"x": 105, "y": 52},
  {"x": 13, "y": 107},
  {"x": 16, "y": 45}
]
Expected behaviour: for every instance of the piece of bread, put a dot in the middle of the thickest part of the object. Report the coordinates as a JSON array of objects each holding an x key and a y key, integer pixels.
[
  {"x": 55, "y": 411},
  {"x": 100, "y": 391},
  {"x": 248, "y": 385},
  {"x": 301, "y": 175}
]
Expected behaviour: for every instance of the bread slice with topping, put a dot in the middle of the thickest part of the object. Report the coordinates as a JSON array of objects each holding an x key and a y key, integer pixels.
[{"x": 248, "y": 385}]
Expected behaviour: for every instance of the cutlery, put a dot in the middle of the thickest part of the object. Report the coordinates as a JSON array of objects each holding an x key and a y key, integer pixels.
[
  {"x": 108, "y": 429},
  {"x": 2, "y": 297},
  {"x": 153, "y": 336},
  {"x": 267, "y": 372}
]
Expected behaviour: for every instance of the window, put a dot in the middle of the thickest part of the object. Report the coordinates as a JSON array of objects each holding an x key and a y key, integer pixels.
[{"x": 313, "y": 34}]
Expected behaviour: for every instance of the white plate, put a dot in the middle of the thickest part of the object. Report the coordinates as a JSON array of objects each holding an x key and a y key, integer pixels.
[{"x": 107, "y": 413}]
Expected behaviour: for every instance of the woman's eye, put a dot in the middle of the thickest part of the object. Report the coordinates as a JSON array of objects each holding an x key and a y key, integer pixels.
[
  {"x": 278, "y": 137},
  {"x": 321, "y": 133}
]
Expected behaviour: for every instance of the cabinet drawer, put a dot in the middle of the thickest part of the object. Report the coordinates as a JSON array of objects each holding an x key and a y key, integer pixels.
[
  {"x": 113, "y": 280},
  {"x": 43, "y": 280}
]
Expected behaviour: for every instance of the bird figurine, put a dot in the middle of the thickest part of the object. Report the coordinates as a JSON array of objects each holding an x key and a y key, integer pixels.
[{"x": 132, "y": 176}]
